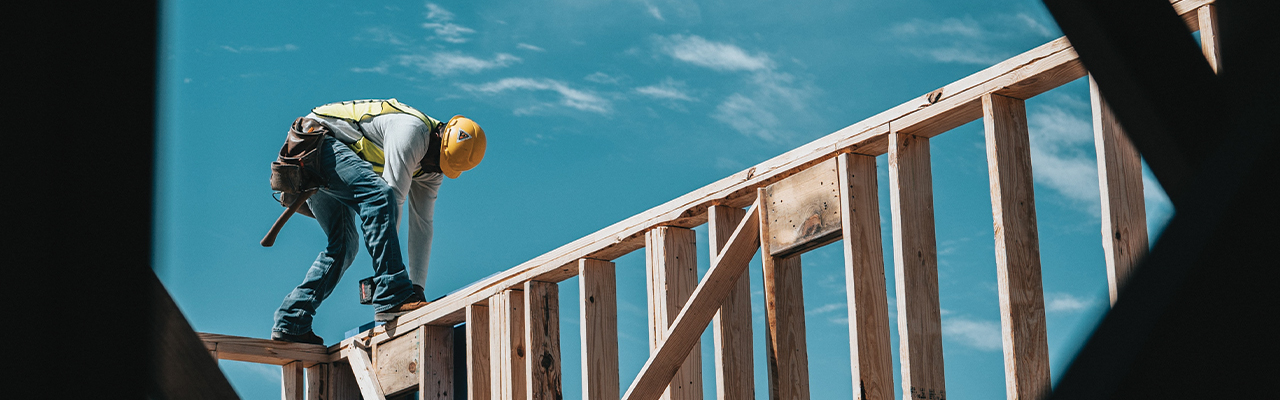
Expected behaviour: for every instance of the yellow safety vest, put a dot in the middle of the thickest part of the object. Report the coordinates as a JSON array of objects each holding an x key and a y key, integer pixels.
[{"x": 356, "y": 111}]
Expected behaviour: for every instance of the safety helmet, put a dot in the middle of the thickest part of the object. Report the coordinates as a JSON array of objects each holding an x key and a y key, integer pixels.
[{"x": 462, "y": 146}]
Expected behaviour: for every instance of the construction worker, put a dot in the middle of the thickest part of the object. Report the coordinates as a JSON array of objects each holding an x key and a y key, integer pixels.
[{"x": 376, "y": 155}]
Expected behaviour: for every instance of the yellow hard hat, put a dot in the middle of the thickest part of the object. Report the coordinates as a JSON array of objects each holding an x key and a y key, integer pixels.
[{"x": 461, "y": 146}]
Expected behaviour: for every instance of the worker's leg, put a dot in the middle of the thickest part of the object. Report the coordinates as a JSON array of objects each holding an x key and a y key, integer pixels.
[
  {"x": 375, "y": 203},
  {"x": 337, "y": 219}
]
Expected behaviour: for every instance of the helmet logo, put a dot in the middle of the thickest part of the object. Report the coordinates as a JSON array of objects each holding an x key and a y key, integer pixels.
[{"x": 463, "y": 135}]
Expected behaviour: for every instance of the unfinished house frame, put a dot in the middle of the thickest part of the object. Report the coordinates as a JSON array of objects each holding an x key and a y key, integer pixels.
[{"x": 811, "y": 196}]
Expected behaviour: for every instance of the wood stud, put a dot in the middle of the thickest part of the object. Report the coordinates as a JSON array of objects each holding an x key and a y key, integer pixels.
[
  {"x": 915, "y": 259},
  {"x": 478, "y": 378},
  {"x": 735, "y": 372},
  {"x": 597, "y": 300},
  {"x": 869, "y": 351},
  {"x": 542, "y": 339},
  {"x": 1017, "y": 245},
  {"x": 786, "y": 352}
]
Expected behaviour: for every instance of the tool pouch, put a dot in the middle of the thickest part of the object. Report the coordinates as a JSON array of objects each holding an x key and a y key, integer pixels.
[{"x": 293, "y": 171}]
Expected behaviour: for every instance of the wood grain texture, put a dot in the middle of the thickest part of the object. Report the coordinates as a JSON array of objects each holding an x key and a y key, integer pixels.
[
  {"x": 598, "y": 300},
  {"x": 318, "y": 382},
  {"x": 735, "y": 370},
  {"x": 342, "y": 382},
  {"x": 293, "y": 381},
  {"x": 478, "y": 385},
  {"x": 263, "y": 351},
  {"x": 786, "y": 350},
  {"x": 1207, "y": 16},
  {"x": 507, "y": 359},
  {"x": 868, "y": 303},
  {"x": 542, "y": 339},
  {"x": 366, "y": 379},
  {"x": 435, "y": 371},
  {"x": 671, "y": 263},
  {"x": 397, "y": 362},
  {"x": 915, "y": 259},
  {"x": 1017, "y": 246},
  {"x": 1124, "y": 213},
  {"x": 693, "y": 319},
  {"x": 804, "y": 211}
]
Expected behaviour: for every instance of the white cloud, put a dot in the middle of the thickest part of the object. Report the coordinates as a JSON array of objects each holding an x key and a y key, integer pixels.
[
  {"x": 439, "y": 21},
  {"x": 527, "y": 46},
  {"x": 654, "y": 11},
  {"x": 1061, "y": 156},
  {"x": 748, "y": 117},
  {"x": 569, "y": 97},
  {"x": 441, "y": 64},
  {"x": 826, "y": 308},
  {"x": 718, "y": 56},
  {"x": 383, "y": 35},
  {"x": 259, "y": 49},
  {"x": 961, "y": 54},
  {"x": 600, "y": 77},
  {"x": 979, "y": 334},
  {"x": 1065, "y": 302},
  {"x": 950, "y": 26},
  {"x": 669, "y": 89}
]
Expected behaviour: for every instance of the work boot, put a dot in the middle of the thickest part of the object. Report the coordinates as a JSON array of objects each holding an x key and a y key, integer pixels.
[
  {"x": 309, "y": 337},
  {"x": 414, "y": 302}
]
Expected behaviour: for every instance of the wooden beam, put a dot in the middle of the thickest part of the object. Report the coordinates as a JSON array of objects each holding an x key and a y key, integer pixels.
[
  {"x": 478, "y": 385},
  {"x": 786, "y": 353},
  {"x": 264, "y": 351},
  {"x": 735, "y": 372},
  {"x": 692, "y": 320},
  {"x": 292, "y": 381},
  {"x": 1124, "y": 213},
  {"x": 869, "y": 352},
  {"x": 318, "y": 382},
  {"x": 398, "y": 362},
  {"x": 342, "y": 382},
  {"x": 803, "y": 211},
  {"x": 598, "y": 300},
  {"x": 542, "y": 338},
  {"x": 507, "y": 357},
  {"x": 671, "y": 261},
  {"x": 435, "y": 370},
  {"x": 915, "y": 264},
  {"x": 1207, "y": 16},
  {"x": 1022, "y": 76},
  {"x": 1013, "y": 206},
  {"x": 362, "y": 369}
]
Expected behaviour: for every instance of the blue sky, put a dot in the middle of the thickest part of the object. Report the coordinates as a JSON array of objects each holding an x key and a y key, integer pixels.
[{"x": 596, "y": 111}]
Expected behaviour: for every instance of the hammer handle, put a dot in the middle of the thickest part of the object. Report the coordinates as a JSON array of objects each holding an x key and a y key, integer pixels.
[{"x": 270, "y": 239}]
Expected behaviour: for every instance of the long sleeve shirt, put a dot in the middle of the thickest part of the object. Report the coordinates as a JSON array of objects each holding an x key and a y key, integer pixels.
[{"x": 404, "y": 140}]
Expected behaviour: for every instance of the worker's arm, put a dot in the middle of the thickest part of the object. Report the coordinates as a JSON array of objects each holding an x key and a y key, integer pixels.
[{"x": 422, "y": 204}]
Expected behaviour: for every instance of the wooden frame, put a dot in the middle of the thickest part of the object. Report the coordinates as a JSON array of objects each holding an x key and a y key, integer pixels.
[{"x": 869, "y": 352}]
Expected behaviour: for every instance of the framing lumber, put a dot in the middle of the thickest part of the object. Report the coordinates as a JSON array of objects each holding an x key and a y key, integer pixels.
[
  {"x": 1022, "y": 76},
  {"x": 397, "y": 363},
  {"x": 263, "y": 351},
  {"x": 506, "y": 329},
  {"x": 318, "y": 382},
  {"x": 915, "y": 264},
  {"x": 598, "y": 300},
  {"x": 1207, "y": 18},
  {"x": 1017, "y": 246},
  {"x": 435, "y": 366},
  {"x": 869, "y": 352},
  {"x": 697, "y": 313},
  {"x": 735, "y": 372},
  {"x": 292, "y": 381},
  {"x": 542, "y": 338},
  {"x": 786, "y": 352},
  {"x": 803, "y": 211},
  {"x": 1124, "y": 213},
  {"x": 342, "y": 382},
  {"x": 478, "y": 377},
  {"x": 672, "y": 266},
  {"x": 362, "y": 369}
]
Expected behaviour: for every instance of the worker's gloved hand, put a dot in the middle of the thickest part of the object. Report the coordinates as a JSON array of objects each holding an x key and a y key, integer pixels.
[{"x": 288, "y": 198}]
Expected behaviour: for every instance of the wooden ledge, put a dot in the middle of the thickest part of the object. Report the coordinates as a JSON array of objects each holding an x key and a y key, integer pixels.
[{"x": 263, "y": 351}]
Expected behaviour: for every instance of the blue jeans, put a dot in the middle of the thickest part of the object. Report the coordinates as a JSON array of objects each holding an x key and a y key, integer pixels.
[{"x": 353, "y": 190}]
